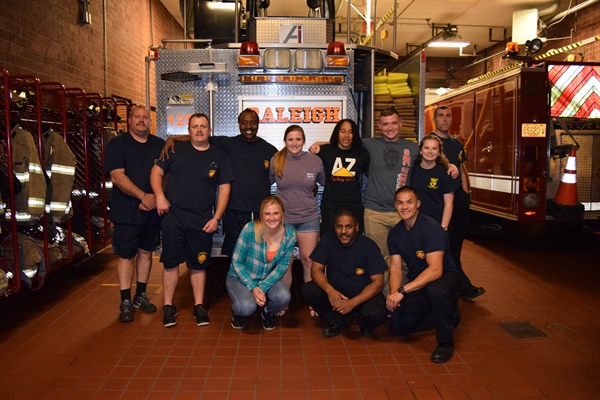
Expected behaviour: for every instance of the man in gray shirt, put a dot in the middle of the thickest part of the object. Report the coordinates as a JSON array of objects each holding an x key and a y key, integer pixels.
[
  {"x": 389, "y": 169},
  {"x": 391, "y": 159}
]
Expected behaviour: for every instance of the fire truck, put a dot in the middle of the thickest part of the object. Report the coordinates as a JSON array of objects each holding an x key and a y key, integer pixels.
[
  {"x": 291, "y": 71},
  {"x": 518, "y": 127}
]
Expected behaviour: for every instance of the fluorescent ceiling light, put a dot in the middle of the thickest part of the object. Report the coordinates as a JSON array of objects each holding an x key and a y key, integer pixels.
[{"x": 449, "y": 44}]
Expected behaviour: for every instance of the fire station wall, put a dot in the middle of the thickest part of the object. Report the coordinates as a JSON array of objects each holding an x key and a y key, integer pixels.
[
  {"x": 46, "y": 39},
  {"x": 583, "y": 25}
]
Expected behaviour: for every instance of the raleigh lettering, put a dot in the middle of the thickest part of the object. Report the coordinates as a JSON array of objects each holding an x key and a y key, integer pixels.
[{"x": 299, "y": 115}]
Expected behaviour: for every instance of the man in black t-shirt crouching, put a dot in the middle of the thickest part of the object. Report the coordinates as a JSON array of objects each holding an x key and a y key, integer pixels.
[{"x": 347, "y": 272}]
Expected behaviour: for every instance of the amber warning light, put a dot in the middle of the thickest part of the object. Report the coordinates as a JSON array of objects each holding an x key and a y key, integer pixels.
[
  {"x": 336, "y": 55},
  {"x": 249, "y": 55},
  {"x": 298, "y": 79}
]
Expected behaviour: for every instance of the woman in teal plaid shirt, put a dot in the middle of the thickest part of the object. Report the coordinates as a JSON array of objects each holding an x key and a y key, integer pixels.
[{"x": 260, "y": 259}]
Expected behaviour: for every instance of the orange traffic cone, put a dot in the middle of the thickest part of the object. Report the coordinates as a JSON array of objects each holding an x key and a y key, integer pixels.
[{"x": 567, "y": 190}]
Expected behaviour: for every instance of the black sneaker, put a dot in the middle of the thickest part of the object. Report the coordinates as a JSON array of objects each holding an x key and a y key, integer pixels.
[
  {"x": 201, "y": 315},
  {"x": 169, "y": 316},
  {"x": 142, "y": 302},
  {"x": 335, "y": 329},
  {"x": 237, "y": 322},
  {"x": 126, "y": 314},
  {"x": 269, "y": 320},
  {"x": 472, "y": 292}
]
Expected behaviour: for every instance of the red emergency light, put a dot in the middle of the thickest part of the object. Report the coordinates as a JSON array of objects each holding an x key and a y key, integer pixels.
[
  {"x": 249, "y": 47},
  {"x": 249, "y": 55},
  {"x": 336, "y": 55}
]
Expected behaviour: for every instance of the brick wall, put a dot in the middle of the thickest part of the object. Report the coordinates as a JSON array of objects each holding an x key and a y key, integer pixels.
[{"x": 45, "y": 39}]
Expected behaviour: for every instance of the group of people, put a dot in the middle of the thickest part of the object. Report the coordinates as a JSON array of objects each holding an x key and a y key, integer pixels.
[{"x": 406, "y": 266}]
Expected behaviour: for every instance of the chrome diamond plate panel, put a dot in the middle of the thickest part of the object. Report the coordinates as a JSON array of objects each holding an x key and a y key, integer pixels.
[
  {"x": 228, "y": 89},
  {"x": 314, "y": 30}
]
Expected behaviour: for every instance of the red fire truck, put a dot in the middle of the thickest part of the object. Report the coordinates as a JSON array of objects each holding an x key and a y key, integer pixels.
[{"x": 517, "y": 127}]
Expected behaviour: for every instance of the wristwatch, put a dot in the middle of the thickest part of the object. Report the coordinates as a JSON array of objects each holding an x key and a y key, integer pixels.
[{"x": 402, "y": 291}]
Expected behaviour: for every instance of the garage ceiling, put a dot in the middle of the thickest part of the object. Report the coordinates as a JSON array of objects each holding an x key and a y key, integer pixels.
[{"x": 480, "y": 22}]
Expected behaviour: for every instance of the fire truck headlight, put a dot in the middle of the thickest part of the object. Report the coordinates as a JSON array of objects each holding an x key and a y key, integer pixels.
[
  {"x": 278, "y": 59},
  {"x": 531, "y": 200},
  {"x": 309, "y": 60}
]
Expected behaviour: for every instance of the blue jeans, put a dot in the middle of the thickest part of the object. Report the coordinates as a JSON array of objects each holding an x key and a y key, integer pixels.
[{"x": 244, "y": 305}]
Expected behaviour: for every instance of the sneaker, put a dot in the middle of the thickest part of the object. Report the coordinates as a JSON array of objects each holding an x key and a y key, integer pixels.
[
  {"x": 142, "y": 302},
  {"x": 237, "y": 322},
  {"x": 269, "y": 320},
  {"x": 169, "y": 316},
  {"x": 126, "y": 314},
  {"x": 472, "y": 292},
  {"x": 201, "y": 315},
  {"x": 335, "y": 329}
]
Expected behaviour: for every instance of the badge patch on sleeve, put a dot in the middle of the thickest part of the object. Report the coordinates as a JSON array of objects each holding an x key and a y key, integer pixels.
[
  {"x": 360, "y": 271},
  {"x": 202, "y": 256},
  {"x": 421, "y": 254}
]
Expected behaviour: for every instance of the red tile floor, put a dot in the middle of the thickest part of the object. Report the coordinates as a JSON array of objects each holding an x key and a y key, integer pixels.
[{"x": 64, "y": 341}]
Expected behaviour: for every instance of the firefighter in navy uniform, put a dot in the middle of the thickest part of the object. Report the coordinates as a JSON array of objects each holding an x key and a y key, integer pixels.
[
  {"x": 250, "y": 156},
  {"x": 428, "y": 300},
  {"x": 454, "y": 151},
  {"x": 191, "y": 210},
  {"x": 129, "y": 160}
]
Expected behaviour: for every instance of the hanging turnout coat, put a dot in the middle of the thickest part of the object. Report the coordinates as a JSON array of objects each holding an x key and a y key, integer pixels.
[
  {"x": 31, "y": 199},
  {"x": 59, "y": 164}
]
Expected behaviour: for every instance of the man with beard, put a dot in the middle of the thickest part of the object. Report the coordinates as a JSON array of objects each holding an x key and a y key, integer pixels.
[{"x": 347, "y": 272}]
